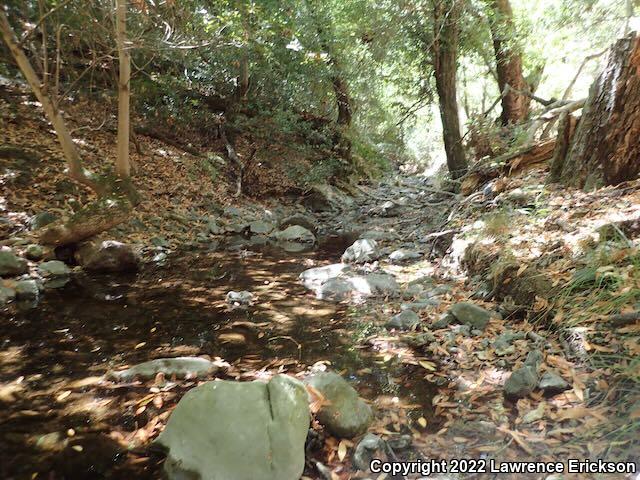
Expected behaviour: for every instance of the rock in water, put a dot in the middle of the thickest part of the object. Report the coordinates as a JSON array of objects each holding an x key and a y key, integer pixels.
[
  {"x": 107, "y": 256},
  {"x": 11, "y": 264},
  {"x": 405, "y": 320},
  {"x": 179, "y": 366},
  {"x": 238, "y": 431},
  {"x": 346, "y": 414},
  {"x": 302, "y": 220},
  {"x": 239, "y": 299},
  {"x": 470, "y": 314},
  {"x": 295, "y": 233},
  {"x": 361, "y": 251},
  {"x": 366, "y": 450}
]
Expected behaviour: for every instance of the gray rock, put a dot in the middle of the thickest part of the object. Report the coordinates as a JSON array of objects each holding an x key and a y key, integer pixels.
[
  {"x": 522, "y": 382},
  {"x": 358, "y": 286},
  {"x": 401, "y": 442},
  {"x": 295, "y": 233},
  {"x": 107, "y": 256},
  {"x": 420, "y": 340},
  {"x": 420, "y": 305},
  {"x": 11, "y": 264},
  {"x": 366, "y": 450},
  {"x": 214, "y": 227},
  {"x": 235, "y": 227},
  {"x": 34, "y": 252},
  {"x": 405, "y": 320},
  {"x": 314, "y": 277},
  {"x": 54, "y": 268},
  {"x": 27, "y": 290},
  {"x": 470, "y": 314},
  {"x": 226, "y": 430},
  {"x": 534, "y": 359},
  {"x": 6, "y": 294},
  {"x": 412, "y": 290},
  {"x": 179, "y": 366},
  {"x": 552, "y": 383},
  {"x": 503, "y": 344},
  {"x": 361, "y": 251},
  {"x": 261, "y": 227},
  {"x": 42, "y": 219},
  {"x": 301, "y": 220},
  {"x": 444, "y": 321},
  {"x": 346, "y": 415},
  {"x": 403, "y": 255},
  {"x": 239, "y": 299}
]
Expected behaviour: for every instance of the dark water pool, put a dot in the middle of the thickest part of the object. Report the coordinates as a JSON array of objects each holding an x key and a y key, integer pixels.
[{"x": 58, "y": 420}]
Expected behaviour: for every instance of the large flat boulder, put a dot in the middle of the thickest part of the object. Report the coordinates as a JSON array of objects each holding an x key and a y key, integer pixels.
[
  {"x": 227, "y": 430},
  {"x": 362, "y": 251}
]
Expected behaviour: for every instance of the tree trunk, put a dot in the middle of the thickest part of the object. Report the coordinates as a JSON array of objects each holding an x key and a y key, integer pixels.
[
  {"x": 566, "y": 129},
  {"x": 343, "y": 99},
  {"x": 123, "y": 168},
  {"x": 74, "y": 162},
  {"x": 243, "y": 73},
  {"x": 605, "y": 148},
  {"x": 515, "y": 107},
  {"x": 445, "y": 52}
]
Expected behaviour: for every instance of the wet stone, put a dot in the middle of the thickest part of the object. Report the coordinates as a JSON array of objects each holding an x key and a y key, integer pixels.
[{"x": 405, "y": 320}]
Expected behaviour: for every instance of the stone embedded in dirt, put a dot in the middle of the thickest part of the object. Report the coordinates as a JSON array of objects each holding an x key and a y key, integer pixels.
[
  {"x": 261, "y": 227},
  {"x": 239, "y": 299},
  {"x": 552, "y": 383},
  {"x": 534, "y": 359},
  {"x": 238, "y": 430},
  {"x": 366, "y": 450},
  {"x": 54, "y": 268},
  {"x": 522, "y": 382},
  {"x": 361, "y": 251},
  {"x": 403, "y": 255},
  {"x": 471, "y": 314},
  {"x": 345, "y": 414},
  {"x": 345, "y": 286},
  {"x": 420, "y": 304},
  {"x": 405, "y": 320},
  {"x": 27, "y": 290},
  {"x": 107, "y": 256},
  {"x": 179, "y": 366},
  {"x": 42, "y": 219},
  {"x": 11, "y": 264},
  {"x": 301, "y": 220},
  {"x": 419, "y": 340},
  {"x": 6, "y": 294},
  {"x": 295, "y": 233},
  {"x": 34, "y": 252},
  {"x": 503, "y": 344}
]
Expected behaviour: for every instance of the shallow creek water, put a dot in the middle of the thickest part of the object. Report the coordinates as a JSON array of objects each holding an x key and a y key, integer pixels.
[{"x": 53, "y": 355}]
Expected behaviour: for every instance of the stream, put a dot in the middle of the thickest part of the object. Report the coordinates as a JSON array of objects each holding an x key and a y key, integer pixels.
[{"x": 61, "y": 416}]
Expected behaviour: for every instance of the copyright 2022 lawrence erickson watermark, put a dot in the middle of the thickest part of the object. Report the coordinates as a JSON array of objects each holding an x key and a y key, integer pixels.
[{"x": 430, "y": 467}]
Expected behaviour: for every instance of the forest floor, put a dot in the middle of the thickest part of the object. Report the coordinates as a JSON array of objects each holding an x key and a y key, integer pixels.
[{"x": 557, "y": 268}]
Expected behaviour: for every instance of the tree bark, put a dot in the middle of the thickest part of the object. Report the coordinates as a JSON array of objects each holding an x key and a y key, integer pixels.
[
  {"x": 243, "y": 73},
  {"x": 446, "y": 14},
  {"x": 123, "y": 168},
  {"x": 566, "y": 129},
  {"x": 605, "y": 148},
  {"x": 508, "y": 63},
  {"x": 74, "y": 162}
]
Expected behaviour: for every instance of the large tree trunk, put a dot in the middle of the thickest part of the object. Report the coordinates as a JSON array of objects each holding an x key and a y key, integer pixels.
[
  {"x": 343, "y": 99},
  {"x": 515, "y": 107},
  {"x": 446, "y": 15},
  {"x": 605, "y": 149},
  {"x": 53, "y": 114},
  {"x": 123, "y": 168}
]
